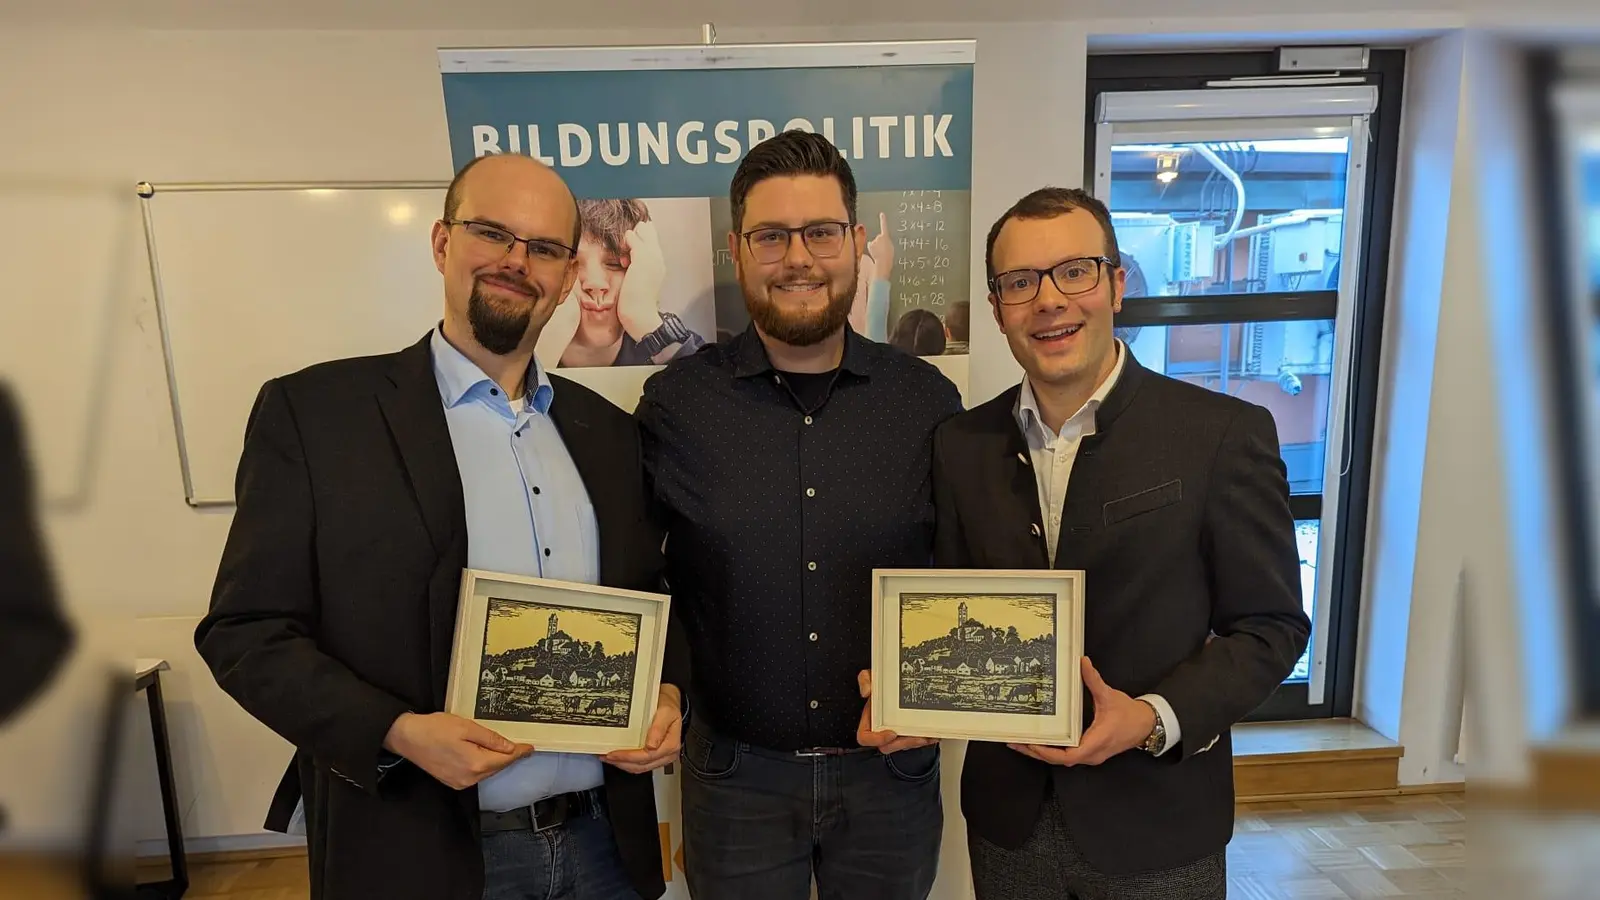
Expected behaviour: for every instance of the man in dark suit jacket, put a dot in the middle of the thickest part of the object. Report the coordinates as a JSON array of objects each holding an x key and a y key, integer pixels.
[
  {"x": 365, "y": 487},
  {"x": 1178, "y": 511},
  {"x": 35, "y": 638}
]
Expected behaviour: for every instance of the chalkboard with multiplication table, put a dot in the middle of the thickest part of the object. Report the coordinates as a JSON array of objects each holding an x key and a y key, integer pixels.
[{"x": 932, "y": 245}]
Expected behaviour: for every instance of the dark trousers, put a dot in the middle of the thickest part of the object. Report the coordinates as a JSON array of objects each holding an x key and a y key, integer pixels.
[
  {"x": 577, "y": 860},
  {"x": 760, "y": 823},
  {"x": 1048, "y": 866}
]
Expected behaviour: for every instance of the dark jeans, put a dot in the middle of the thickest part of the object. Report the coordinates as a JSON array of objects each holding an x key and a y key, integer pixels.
[
  {"x": 1048, "y": 866},
  {"x": 760, "y": 823},
  {"x": 574, "y": 861}
]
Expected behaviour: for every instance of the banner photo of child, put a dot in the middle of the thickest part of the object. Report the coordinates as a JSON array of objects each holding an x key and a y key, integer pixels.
[{"x": 643, "y": 293}]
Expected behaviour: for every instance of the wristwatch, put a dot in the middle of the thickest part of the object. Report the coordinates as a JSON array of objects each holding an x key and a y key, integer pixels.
[
  {"x": 1156, "y": 740},
  {"x": 672, "y": 331}
]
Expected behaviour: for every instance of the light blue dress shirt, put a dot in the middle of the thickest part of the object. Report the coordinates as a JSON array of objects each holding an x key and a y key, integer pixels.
[{"x": 528, "y": 513}]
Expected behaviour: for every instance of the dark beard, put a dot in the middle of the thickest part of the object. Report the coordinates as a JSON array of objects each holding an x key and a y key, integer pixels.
[
  {"x": 808, "y": 331},
  {"x": 498, "y": 332}
]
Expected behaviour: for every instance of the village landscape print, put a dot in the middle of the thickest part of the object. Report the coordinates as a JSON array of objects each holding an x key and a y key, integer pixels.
[
  {"x": 992, "y": 653},
  {"x": 557, "y": 664}
]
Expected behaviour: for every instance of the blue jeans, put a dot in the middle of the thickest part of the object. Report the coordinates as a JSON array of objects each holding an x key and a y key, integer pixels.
[
  {"x": 760, "y": 823},
  {"x": 574, "y": 861}
]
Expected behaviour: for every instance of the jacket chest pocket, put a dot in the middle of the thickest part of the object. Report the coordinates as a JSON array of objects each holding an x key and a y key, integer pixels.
[{"x": 1142, "y": 502}]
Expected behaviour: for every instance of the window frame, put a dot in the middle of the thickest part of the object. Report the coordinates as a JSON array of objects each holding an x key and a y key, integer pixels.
[{"x": 1385, "y": 70}]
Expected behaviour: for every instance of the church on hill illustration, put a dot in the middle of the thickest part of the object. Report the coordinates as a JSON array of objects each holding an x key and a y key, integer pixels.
[
  {"x": 968, "y": 631},
  {"x": 556, "y": 642}
]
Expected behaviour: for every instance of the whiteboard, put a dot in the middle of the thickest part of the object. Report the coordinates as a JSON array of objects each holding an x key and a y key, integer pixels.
[
  {"x": 68, "y": 248},
  {"x": 256, "y": 283}
]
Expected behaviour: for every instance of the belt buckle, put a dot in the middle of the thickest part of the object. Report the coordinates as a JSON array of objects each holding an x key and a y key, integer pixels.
[
  {"x": 821, "y": 751},
  {"x": 560, "y": 813}
]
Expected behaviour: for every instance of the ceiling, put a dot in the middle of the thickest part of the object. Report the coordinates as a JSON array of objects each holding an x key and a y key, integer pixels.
[{"x": 688, "y": 15}]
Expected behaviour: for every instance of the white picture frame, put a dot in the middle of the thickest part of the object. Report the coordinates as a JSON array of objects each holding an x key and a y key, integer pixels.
[
  {"x": 523, "y": 661},
  {"x": 979, "y": 680}
]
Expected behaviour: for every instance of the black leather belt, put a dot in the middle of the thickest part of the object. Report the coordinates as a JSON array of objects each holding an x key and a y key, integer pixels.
[
  {"x": 551, "y": 812},
  {"x": 831, "y": 751}
]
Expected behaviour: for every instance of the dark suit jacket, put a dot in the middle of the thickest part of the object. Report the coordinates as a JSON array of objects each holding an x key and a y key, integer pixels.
[
  {"x": 34, "y": 636},
  {"x": 1178, "y": 511},
  {"x": 335, "y": 604}
]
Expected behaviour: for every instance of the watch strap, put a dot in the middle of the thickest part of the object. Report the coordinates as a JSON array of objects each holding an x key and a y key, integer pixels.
[
  {"x": 670, "y": 331},
  {"x": 1156, "y": 740}
]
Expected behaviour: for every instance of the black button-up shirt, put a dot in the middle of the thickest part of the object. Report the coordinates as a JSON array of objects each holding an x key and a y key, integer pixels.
[{"x": 777, "y": 513}]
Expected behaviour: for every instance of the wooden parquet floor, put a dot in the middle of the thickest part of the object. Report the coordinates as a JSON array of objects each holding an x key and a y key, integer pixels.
[
  {"x": 1402, "y": 846},
  {"x": 1405, "y": 846}
]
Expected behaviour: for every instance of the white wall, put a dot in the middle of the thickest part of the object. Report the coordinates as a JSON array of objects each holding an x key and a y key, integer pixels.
[
  {"x": 111, "y": 108},
  {"x": 1461, "y": 463},
  {"x": 1428, "y": 175},
  {"x": 1463, "y": 592},
  {"x": 1521, "y": 653}
]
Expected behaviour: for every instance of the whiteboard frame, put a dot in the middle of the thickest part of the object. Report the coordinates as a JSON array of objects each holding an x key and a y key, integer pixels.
[
  {"x": 147, "y": 191},
  {"x": 463, "y": 60}
]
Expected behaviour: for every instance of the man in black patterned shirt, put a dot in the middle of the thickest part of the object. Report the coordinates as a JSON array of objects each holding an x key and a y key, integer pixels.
[{"x": 790, "y": 461}]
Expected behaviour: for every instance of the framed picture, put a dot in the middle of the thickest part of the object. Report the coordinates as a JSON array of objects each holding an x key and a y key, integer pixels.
[
  {"x": 984, "y": 655},
  {"x": 567, "y": 667}
]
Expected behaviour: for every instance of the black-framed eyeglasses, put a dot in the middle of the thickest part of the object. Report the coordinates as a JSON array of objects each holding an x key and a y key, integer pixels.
[
  {"x": 539, "y": 249},
  {"x": 1072, "y": 276},
  {"x": 822, "y": 239}
]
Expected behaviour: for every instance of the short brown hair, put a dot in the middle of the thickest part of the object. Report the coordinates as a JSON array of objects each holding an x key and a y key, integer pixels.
[
  {"x": 452, "y": 196},
  {"x": 789, "y": 153},
  {"x": 919, "y": 333},
  {"x": 959, "y": 320},
  {"x": 606, "y": 221},
  {"x": 1048, "y": 203}
]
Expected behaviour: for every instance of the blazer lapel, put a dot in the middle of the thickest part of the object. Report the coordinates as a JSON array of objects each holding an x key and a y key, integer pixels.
[
  {"x": 1082, "y": 517},
  {"x": 596, "y": 464},
  {"x": 415, "y": 415},
  {"x": 1008, "y": 466}
]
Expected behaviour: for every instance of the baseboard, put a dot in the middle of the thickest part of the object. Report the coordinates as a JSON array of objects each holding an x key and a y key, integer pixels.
[
  {"x": 225, "y": 848},
  {"x": 1441, "y": 787},
  {"x": 1402, "y": 791}
]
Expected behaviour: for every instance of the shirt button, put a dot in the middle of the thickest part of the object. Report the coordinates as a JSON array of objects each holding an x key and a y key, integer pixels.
[
  {"x": 547, "y": 551},
  {"x": 813, "y": 704},
  {"x": 811, "y": 492},
  {"x": 813, "y": 636},
  {"x": 536, "y": 489},
  {"x": 808, "y": 420},
  {"x": 812, "y": 566}
]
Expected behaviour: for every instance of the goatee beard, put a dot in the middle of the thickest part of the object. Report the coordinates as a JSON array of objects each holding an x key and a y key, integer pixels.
[
  {"x": 804, "y": 330},
  {"x": 496, "y": 331}
]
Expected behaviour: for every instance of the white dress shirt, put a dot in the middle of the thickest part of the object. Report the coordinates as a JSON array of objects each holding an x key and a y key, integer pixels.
[
  {"x": 1053, "y": 454},
  {"x": 528, "y": 512}
]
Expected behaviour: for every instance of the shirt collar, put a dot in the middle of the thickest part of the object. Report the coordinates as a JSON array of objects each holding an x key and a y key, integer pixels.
[
  {"x": 750, "y": 354},
  {"x": 459, "y": 376},
  {"x": 1028, "y": 415}
]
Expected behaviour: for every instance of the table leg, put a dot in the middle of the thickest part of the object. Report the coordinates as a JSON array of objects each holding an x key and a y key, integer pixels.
[{"x": 179, "y": 883}]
